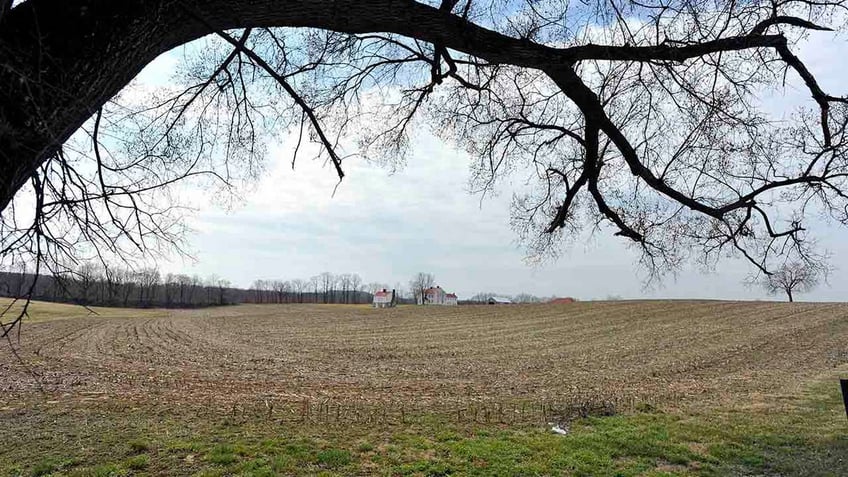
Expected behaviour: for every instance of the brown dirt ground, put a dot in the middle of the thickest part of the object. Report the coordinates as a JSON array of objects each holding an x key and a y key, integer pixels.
[{"x": 670, "y": 352}]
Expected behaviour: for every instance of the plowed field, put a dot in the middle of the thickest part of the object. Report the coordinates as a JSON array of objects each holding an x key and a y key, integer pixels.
[{"x": 675, "y": 352}]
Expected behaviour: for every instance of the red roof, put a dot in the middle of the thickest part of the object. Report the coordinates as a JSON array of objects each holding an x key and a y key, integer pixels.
[
  {"x": 382, "y": 293},
  {"x": 562, "y": 301},
  {"x": 451, "y": 295}
]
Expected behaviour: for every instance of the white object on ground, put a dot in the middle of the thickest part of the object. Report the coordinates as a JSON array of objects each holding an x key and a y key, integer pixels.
[{"x": 559, "y": 430}]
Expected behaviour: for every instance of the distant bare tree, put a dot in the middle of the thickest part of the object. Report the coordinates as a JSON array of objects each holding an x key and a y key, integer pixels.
[
  {"x": 148, "y": 280},
  {"x": 283, "y": 288},
  {"x": 327, "y": 281},
  {"x": 128, "y": 279},
  {"x": 196, "y": 289},
  {"x": 483, "y": 297},
  {"x": 184, "y": 284},
  {"x": 86, "y": 276},
  {"x": 259, "y": 288},
  {"x": 298, "y": 286},
  {"x": 420, "y": 282},
  {"x": 313, "y": 284},
  {"x": 794, "y": 277},
  {"x": 526, "y": 298},
  {"x": 356, "y": 286},
  {"x": 374, "y": 287},
  {"x": 18, "y": 285},
  {"x": 172, "y": 289},
  {"x": 343, "y": 281},
  {"x": 220, "y": 286},
  {"x": 114, "y": 278}
]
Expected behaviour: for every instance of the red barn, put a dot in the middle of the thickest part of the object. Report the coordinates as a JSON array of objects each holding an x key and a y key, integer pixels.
[{"x": 562, "y": 301}]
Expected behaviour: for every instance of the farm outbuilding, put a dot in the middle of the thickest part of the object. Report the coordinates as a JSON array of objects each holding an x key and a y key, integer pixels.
[
  {"x": 499, "y": 300},
  {"x": 384, "y": 299},
  {"x": 562, "y": 301}
]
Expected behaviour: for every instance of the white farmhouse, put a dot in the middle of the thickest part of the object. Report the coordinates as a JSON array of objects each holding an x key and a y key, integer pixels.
[
  {"x": 384, "y": 299},
  {"x": 437, "y": 296}
]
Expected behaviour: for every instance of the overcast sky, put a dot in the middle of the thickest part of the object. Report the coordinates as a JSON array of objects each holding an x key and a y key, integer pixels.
[{"x": 386, "y": 225}]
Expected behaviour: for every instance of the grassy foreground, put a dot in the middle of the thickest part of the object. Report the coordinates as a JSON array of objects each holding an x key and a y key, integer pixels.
[
  {"x": 737, "y": 389},
  {"x": 806, "y": 435}
]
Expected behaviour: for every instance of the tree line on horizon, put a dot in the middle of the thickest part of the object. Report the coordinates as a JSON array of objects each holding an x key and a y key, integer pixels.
[
  {"x": 483, "y": 297},
  {"x": 93, "y": 284},
  {"x": 97, "y": 285}
]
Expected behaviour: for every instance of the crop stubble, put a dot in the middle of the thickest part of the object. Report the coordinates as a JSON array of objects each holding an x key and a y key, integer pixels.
[{"x": 675, "y": 352}]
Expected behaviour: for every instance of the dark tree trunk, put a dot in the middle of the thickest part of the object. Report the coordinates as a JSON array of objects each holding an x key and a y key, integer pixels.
[
  {"x": 60, "y": 60},
  {"x": 789, "y": 294}
]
